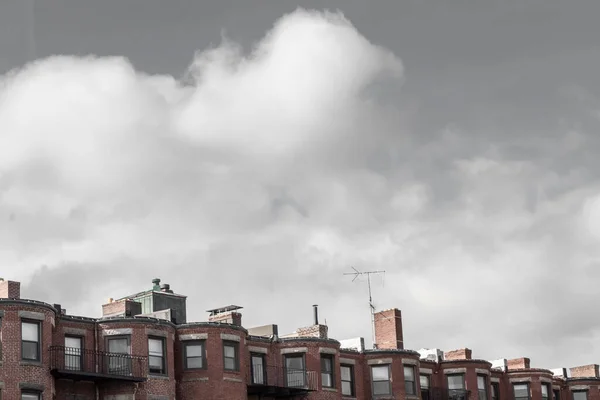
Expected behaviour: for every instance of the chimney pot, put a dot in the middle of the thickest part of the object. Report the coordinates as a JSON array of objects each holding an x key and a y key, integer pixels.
[{"x": 316, "y": 311}]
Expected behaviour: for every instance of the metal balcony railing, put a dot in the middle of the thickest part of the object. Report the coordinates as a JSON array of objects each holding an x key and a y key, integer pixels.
[
  {"x": 95, "y": 365},
  {"x": 280, "y": 380},
  {"x": 446, "y": 394}
]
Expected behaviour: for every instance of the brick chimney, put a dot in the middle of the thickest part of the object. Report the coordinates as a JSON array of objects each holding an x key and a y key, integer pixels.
[
  {"x": 388, "y": 329},
  {"x": 460, "y": 354},
  {"x": 234, "y": 318},
  {"x": 585, "y": 371},
  {"x": 10, "y": 289},
  {"x": 226, "y": 315},
  {"x": 316, "y": 331},
  {"x": 121, "y": 308},
  {"x": 518, "y": 363}
]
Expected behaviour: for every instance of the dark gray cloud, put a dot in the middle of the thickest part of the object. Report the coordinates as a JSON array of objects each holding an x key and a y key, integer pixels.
[{"x": 467, "y": 170}]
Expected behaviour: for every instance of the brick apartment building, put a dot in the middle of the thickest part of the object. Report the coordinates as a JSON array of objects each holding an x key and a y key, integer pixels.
[{"x": 143, "y": 348}]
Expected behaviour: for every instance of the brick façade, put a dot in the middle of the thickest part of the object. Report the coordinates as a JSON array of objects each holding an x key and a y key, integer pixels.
[{"x": 213, "y": 382}]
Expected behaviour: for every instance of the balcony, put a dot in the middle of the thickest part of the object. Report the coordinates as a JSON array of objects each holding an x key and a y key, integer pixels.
[
  {"x": 280, "y": 382},
  {"x": 446, "y": 394},
  {"x": 97, "y": 366}
]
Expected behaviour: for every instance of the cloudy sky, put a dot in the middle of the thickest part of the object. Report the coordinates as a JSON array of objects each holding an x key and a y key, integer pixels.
[{"x": 250, "y": 152}]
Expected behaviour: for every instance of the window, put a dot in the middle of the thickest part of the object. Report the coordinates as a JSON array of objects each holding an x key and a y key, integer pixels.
[
  {"x": 347, "y": 375},
  {"x": 456, "y": 387},
  {"x": 118, "y": 363},
  {"x": 557, "y": 394},
  {"x": 30, "y": 395},
  {"x": 580, "y": 394},
  {"x": 30, "y": 340},
  {"x": 230, "y": 356},
  {"x": 495, "y": 391},
  {"x": 424, "y": 381},
  {"x": 259, "y": 371},
  {"x": 194, "y": 356},
  {"x": 380, "y": 377},
  {"x": 521, "y": 391},
  {"x": 482, "y": 387},
  {"x": 73, "y": 354},
  {"x": 157, "y": 356},
  {"x": 545, "y": 391},
  {"x": 409, "y": 380},
  {"x": 295, "y": 372},
  {"x": 327, "y": 371}
]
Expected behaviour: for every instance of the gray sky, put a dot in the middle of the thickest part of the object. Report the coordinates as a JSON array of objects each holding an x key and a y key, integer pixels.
[{"x": 451, "y": 143}]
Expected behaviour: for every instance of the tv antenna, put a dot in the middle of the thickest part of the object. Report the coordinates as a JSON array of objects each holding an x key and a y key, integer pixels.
[{"x": 356, "y": 274}]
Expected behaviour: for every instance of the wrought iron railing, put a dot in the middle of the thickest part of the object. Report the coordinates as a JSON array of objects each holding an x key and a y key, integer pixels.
[
  {"x": 82, "y": 361},
  {"x": 277, "y": 376},
  {"x": 447, "y": 394}
]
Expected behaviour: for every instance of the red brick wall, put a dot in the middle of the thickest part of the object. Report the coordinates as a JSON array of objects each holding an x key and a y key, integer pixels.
[
  {"x": 388, "y": 329},
  {"x": 14, "y": 371},
  {"x": 460, "y": 354},
  {"x": 10, "y": 290},
  {"x": 585, "y": 371},
  {"x": 397, "y": 371},
  {"x": 518, "y": 363},
  {"x": 213, "y": 382}
]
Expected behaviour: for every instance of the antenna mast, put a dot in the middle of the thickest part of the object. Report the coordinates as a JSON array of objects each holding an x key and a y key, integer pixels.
[{"x": 356, "y": 274}]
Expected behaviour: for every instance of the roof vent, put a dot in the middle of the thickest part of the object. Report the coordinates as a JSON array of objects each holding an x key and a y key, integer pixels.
[{"x": 156, "y": 284}]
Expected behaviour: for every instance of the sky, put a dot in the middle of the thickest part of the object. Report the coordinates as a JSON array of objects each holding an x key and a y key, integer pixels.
[{"x": 252, "y": 152}]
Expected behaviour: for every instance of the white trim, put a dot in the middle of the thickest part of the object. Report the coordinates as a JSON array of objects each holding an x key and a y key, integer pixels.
[
  {"x": 450, "y": 371},
  {"x": 410, "y": 361},
  {"x": 327, "y": 350},
  {"x": 379, "y": 361},
  {"x": 482, "y": 371},
  {"x": 232, "y": 338},
  {"x": 291, "y": 350},
  {"x": 579, "y": 387},
  {"x": 32, "y": 315},
  {"x": 348, "y": 361},
  {"x": 74, "y": 331},
  {"x": 156, "y": 332},
  {"x": 194, "y": 336},
  {"x": 494, "y": 379},
  {"x": 229, "y": 379},
  {"x": 116, "y": 332},
  {"x": 520, "y": 380},
  {"x": 426, "y": 371},
  {"x": 254, "y": 349}
]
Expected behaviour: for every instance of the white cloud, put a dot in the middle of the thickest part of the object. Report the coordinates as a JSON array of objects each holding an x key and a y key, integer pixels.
[{"x": 268, "y": 174}]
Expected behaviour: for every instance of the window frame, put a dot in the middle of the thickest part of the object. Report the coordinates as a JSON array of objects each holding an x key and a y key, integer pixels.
[
  {"x": 389, "y": 380},
  {"x": 129, "y": 363},
  {"x": 301, "y": 356},
  {"x": 495, "y": 387},
  {"x": 485, "y": 389},
  {"x": 263, "y": 359},
  {"x": 413, "y": 383},
  {"x": 81, "y": 352},
  {"x": 351, "y": 381},
  {"x": 236, "y": 355},
  {"x": 554, "y": 394},
  {"x": 425, "y": 389},
  {"x": 331, "y": 359},
  {"x": 189, "y": 343},
  {"x": 163, "y": 341},
  {"x": 31, "y": 392},
  {"x": 585, "y": 391},
  {"x": 527, "y": 384},
  {"x": 39, "y": 339},
  {"x": 548, "y": 391}
]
